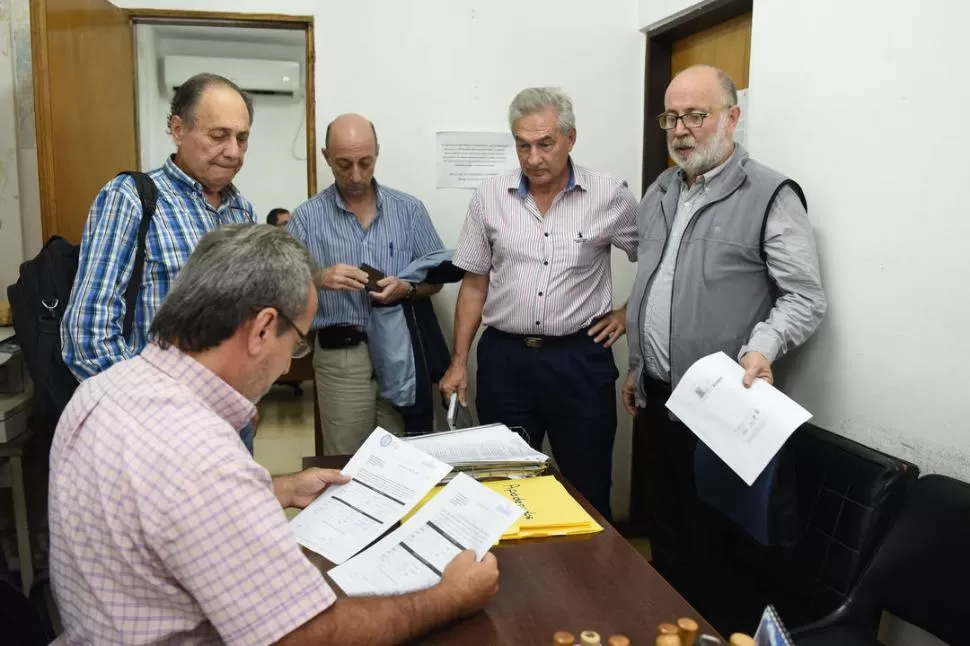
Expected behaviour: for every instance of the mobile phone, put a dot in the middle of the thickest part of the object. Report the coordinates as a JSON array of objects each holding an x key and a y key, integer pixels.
[{"x": 373, "y": 275}]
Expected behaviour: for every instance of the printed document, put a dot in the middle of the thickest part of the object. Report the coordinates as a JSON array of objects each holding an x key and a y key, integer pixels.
[
  {"x": 465, "y": 515},
  {"x": 492, "y": 443},
  {"x": 745, "y": 427},
  {"x": 389, "y": 477}
]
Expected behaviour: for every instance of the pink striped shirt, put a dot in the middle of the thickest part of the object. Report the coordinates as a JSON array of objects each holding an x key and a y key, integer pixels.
[
  {"x": 547, "y": 275},
  {"x": 163, "y": 528}
]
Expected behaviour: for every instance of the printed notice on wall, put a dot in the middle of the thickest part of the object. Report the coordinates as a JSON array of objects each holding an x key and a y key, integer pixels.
[
  {"x": 466, "y": 159},
  {"x": 741, "y": 131}
]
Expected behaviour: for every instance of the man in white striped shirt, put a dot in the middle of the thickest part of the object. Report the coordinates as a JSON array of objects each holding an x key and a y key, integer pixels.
[{"x": 536, "y": 250}]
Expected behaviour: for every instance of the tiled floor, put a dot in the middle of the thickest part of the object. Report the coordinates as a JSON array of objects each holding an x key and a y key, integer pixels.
[
  {"x": 285, "y": 437},
  {"x": 285, "y": 433}
]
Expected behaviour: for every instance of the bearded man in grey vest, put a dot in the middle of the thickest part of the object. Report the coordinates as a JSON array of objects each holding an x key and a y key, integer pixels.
[{"x": 726, "y": 261}]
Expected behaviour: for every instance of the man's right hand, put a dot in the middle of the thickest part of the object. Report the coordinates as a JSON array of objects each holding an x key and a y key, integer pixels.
[
  {"x": 455, "y": 380},
  {"x": 342, "y": 278},
  {"x": 629, "y": 396},
  {"x": 470, "y": 583}
]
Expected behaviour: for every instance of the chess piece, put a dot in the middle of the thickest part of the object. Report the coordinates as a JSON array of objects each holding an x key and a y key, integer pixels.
[
  {"x": 668, "y": 640},
  {"x": 562, "y": 638},
  {"x": 618, "y": 640},
  {"x": 688, "y": 630},
  {"x": 590, "y": 638},
  {"x": 740, "y": 639}
]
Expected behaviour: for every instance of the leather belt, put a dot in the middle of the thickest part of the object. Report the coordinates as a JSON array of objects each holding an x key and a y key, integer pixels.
[
  {"x": 539, "y": 341},
  {"x": 340, "y": 336}
]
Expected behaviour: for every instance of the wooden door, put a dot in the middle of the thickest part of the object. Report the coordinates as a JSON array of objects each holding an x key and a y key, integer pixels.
[
  {"x": 84, "y": 93},
  {"x": 727, "y": 46}
]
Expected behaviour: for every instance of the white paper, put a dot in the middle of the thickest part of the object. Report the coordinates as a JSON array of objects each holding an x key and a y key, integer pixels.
[
  {"x": 464, "y": 515},
  {"x": 491, "y": 443},
  {"x": 459, "y": 417},
  {"x": 389, "y": 478},
  {"x": 466, "y": 159},
  {"x": 745, "y": 427},
  {"x": 741, "y": 130}
]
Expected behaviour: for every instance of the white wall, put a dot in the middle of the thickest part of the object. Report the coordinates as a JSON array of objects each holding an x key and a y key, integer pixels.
[
  {"x": 274, "y": 173},
  {"x": 11, "y": 239},
  {"x": 863, "y": 123},
  {"x": 421, "y": 66}
]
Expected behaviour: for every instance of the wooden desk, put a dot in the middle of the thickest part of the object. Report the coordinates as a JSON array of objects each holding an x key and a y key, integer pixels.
[{"x": 596, "y": 582}]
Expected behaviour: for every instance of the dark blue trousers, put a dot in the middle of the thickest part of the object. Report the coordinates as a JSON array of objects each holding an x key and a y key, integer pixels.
[{"x": 566, "y": 389}]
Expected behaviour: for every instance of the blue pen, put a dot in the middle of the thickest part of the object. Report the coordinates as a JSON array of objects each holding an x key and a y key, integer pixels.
[{"x": 390, "y": 245}]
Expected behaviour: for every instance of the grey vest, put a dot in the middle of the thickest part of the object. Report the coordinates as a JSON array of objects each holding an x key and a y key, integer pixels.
[{"x": 721, "y": 288}]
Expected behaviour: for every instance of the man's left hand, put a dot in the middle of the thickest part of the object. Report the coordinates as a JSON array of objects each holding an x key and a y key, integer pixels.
[
  {"x": 393, "y": 289},
  {"x": 300, "y": 489},
  {"x": 756, "y": 366},
  {"x": 610, "y": 328}
]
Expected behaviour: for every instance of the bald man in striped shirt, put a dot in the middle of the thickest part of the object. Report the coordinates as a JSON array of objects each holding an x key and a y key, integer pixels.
[{"x": 536, "y": 250}]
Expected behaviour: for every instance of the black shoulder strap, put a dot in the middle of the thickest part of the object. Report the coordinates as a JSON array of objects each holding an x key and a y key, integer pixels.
[
  {"x": 148, "y": 193},
  {"x": 793, "y": 185}
]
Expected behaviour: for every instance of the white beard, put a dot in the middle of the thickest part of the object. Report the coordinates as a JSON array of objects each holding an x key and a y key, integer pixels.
[{"x": 702, "y": 158}]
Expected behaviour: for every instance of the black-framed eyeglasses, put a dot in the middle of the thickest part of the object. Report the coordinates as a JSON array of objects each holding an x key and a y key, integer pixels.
[
  {"x": 303, "y": 346},
  {"x": 668, "y": 120}
]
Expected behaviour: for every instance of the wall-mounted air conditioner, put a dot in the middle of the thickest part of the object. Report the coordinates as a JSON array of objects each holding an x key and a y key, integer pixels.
[{"x": 253, "y": 76}]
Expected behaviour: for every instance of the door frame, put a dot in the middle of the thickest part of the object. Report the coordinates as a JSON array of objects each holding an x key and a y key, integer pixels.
[
  {"x": 659, "y": 50},
  {"x": 253, "y": 21}
]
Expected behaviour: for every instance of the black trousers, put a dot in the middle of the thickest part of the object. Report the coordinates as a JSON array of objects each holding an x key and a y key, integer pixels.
[
  {"x": 565, "y": 388},
  {"x": 663, "y": 482}
]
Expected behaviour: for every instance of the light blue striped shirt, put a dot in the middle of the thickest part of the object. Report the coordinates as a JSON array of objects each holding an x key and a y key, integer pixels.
[
  {"x": 91, "y": 331},
  {"x": 400, "y": 232}
]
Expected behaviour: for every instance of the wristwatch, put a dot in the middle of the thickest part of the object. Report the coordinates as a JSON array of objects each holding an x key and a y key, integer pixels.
[{"x": 411, "y": 290}]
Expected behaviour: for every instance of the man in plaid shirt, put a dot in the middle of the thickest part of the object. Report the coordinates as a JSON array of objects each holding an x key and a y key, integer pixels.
[{"x": 163, "y": 528}]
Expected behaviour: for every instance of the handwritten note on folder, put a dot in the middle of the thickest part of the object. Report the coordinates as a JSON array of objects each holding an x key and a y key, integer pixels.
[{"x": 549, "y": 509}]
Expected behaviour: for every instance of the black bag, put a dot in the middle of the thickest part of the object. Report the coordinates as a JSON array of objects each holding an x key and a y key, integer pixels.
[{"x": 38, "y": 300}]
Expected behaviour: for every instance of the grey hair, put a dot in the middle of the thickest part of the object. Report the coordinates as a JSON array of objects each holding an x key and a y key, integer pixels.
[
  {"x": 536, "y": 99},
  {"x": 234, "y": 272},
  {"x": 188, "y": 95},
  {"x": 729, "y": 91}
]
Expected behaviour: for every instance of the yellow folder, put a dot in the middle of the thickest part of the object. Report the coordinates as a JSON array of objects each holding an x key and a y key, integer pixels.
[{"x": 549, "y": 509}]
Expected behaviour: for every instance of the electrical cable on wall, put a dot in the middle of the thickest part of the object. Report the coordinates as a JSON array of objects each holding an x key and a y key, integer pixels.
[{"x": 296, "y": 137}]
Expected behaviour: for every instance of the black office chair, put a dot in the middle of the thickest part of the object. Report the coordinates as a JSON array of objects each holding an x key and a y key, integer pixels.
[{"x": 918, "y": 574}]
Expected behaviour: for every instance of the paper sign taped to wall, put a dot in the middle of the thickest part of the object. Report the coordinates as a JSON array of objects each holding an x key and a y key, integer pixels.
[
  {"x": 466, "y": 159},
  {"x": 741, "y": 131}
]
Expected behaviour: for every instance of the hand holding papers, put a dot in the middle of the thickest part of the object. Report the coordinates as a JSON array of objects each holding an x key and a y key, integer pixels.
[
  {"x": 745, "y": 427},
  {"x": 388, "y": 477},
  {"x": 465, "y": 515}
]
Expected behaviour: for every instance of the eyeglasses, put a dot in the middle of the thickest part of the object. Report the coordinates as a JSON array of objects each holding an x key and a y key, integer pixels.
[
  {"x": 668, "y": 120},
  {"x": 303, "y": 346}
]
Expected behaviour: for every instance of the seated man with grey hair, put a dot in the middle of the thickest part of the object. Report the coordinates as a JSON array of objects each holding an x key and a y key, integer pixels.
[
  {"x": 163, "y": 528},
  {"x": 536, "y": 248}
]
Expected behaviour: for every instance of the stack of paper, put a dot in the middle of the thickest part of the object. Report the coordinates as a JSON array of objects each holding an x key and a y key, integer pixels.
[
  {"x": 466, "y": 516},
  {"x": 388, "y": 477},
  {"x": 549, "y": 510},
  {"x": 482, "y": 452}
]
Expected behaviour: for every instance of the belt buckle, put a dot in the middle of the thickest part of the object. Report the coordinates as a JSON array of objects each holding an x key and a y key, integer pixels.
[{"x": 533, "y": 342}]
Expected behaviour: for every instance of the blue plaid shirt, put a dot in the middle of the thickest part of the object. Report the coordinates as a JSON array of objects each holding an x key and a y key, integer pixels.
[
  {"x": 91, "y": 331},
  {"x": 400, "y": 232}
]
